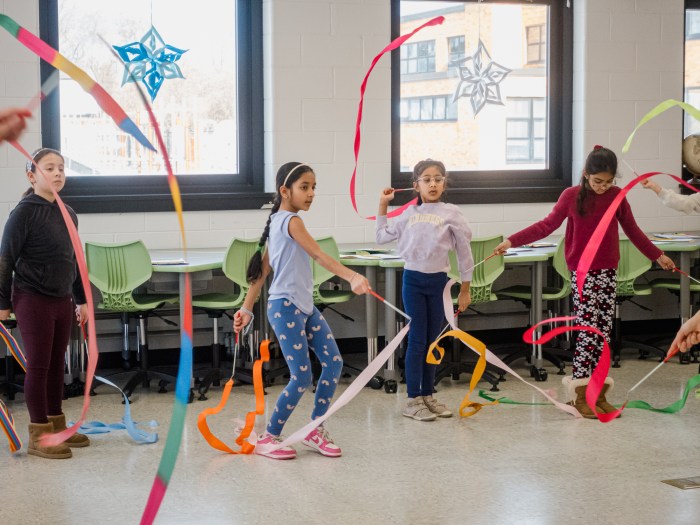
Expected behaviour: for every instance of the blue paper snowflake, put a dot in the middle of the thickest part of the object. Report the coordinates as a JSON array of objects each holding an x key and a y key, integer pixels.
[
  {"x": 150, "y": 61},
  {"x": 479, "y": 79}
]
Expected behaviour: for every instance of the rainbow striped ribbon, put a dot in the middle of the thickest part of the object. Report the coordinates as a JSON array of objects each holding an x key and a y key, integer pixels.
[
  {"x": 11, "y": 343},
  {"x": 7, "y": 422},
  {"x": 57, "y": 60}
]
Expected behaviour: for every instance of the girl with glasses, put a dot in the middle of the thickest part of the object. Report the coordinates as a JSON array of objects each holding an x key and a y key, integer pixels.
[
  {"x": 426, "y": 233},
  {"x": 584, "y": 206}
]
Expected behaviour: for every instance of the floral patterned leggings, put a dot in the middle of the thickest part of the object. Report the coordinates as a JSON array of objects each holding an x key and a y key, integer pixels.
[{"x": 595, "y": 308}]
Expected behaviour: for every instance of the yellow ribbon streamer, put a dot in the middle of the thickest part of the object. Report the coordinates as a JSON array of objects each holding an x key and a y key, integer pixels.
[
  {"x": 476, "y": 345},
  {"x": 666, "y": 104}
]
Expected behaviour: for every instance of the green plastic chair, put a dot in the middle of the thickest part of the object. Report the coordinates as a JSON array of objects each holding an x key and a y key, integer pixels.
[
  {"x": 632, "y": 265},
  {"x": 322, "y": 297},
  {"x": 117, "y": 270},
  {"x": 481, "y": 289},
  {"x": 215, "y": 304},
  {"x": 523, "y": 293}
]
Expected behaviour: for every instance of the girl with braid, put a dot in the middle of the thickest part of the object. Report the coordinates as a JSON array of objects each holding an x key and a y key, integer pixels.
[
  {"x": 286, "y": 248},
  {"x": 584, "y": 206}
]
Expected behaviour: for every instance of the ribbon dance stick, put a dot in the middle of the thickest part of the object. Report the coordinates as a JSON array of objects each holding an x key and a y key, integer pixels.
[
  {"x": 358, "y": 133},
  {"x": 57, "y": 60},
  {"x": 671, "y": 353}
]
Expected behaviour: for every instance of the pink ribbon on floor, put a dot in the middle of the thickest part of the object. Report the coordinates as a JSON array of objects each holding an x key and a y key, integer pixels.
[{"x": 358, "y": 133}]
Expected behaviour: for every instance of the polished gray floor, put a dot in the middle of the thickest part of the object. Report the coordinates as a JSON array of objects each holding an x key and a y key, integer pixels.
[{"x": 506, "y": 465}]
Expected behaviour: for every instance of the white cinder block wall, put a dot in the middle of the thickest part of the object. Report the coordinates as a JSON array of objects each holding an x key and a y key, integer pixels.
[{"x": 628, "y": 57}]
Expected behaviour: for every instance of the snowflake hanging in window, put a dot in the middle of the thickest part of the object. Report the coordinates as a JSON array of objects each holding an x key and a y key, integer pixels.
[{"x": 150, "y": 61}]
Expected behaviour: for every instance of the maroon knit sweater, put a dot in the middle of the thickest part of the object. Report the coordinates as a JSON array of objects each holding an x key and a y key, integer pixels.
[{"x": 579, "y": 229}]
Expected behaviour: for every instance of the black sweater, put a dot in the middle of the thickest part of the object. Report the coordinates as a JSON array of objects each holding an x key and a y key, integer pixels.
[{"x": 36, "y": 246}]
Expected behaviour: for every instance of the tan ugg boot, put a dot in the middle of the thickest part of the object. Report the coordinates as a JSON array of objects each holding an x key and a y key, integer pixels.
[
  {"x": 602, "y": 404},
  {"x": 36, "y": 430},
  {"x": 576, "y": 388},
  {"x": 76, "y": 440}
]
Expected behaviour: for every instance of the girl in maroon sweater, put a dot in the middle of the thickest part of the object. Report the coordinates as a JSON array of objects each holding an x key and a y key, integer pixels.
[{"x": 584, "y": 206}]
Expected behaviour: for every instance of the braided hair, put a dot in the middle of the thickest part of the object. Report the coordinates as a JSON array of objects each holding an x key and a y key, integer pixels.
[
  {"x": 287, "y": 175},
  {"x": 421, "y": 167},
  {"x": 600, "y": 160}
]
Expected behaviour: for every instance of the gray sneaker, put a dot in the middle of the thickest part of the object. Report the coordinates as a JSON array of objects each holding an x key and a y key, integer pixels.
[
  {"x": 416, "y": 409},
  {"x": 437, "y": 408}
]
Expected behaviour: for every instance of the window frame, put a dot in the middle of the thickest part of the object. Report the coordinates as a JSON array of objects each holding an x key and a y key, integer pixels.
[
  {"x": 540, "y": 44},
  {"x": 455, "y": 57},
  {"x": 432, "y": 98},
  {"x": 140, "y": 193},
  {"x": 508, "y": 186},
  {"x": 693, "y": 5},
  {"x": 531, "y": 121},
  {"x": 416, "y": 45}
]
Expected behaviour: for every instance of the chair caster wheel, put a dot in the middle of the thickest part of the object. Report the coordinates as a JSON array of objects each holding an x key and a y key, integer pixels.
[
  {"x": 126, "y": 365},
  {"x": 390, "y": 386},
  {"x": 202, "y": 397},
  {"x": 684, "y": 359},
  {"x": 540, "y": 374},
  {"x": 190, "y": 398},
  {"x": 376, "y": 382},
  {"x": 161, "y": 386}
]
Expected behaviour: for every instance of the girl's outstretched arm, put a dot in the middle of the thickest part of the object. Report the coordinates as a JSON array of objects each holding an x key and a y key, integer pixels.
[{"x": 300, "y": 234}]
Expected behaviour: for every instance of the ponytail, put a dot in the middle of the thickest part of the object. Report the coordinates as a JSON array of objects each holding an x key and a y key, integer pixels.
[{"x": 28, "y": 192}]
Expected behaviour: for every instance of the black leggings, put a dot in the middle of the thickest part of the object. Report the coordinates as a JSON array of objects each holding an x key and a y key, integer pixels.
[{"x": 45, "y": 324}]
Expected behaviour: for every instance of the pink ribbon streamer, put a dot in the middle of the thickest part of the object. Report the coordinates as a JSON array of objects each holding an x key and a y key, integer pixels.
[{"x": 358, "y": 133}]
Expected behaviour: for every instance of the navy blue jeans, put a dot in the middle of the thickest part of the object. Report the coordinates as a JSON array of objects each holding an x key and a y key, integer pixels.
[{"x": 422, "y": 299}]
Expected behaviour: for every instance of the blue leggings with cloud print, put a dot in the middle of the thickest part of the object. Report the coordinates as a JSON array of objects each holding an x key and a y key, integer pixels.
[{"x": 297, "y": 333}]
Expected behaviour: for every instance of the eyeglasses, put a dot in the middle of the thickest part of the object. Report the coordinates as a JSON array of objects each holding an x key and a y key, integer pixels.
[
  {"x": 439, "y": 179},
  {"x": 601, "y": 183}
]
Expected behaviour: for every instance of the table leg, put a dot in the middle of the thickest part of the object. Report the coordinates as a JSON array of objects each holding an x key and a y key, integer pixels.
[
  {"x": 536, "y": 283},
  {"x": 685, "y": 287},
  {"x": 371, "y": 314},
  {"x": 390, "y": 319}
]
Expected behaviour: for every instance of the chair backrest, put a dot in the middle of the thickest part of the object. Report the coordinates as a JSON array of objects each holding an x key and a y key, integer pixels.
[
  {"x": 484, "y": 274},
  {"x": 116, "y": 270},
  {"x": 633, "y": 263},
  {"x": 320, "y": 274},
  {"x": 560, "y": 266},
  {"x": 236, "y": 260}
]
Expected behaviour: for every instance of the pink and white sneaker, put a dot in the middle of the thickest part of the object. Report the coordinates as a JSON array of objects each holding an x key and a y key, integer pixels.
[
  {"x": 320, "y": 440},
  {"x": 267, "y": 441}
]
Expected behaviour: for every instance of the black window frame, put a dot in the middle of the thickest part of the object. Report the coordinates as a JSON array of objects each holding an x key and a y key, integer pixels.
[
  {"x": 141, "y": 193},
  {"x": 508, "y": 186},
  {"x": 694, "y": 5}
]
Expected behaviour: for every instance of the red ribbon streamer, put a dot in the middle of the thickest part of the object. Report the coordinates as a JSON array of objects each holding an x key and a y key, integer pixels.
[{"x": 358, "y": 134}]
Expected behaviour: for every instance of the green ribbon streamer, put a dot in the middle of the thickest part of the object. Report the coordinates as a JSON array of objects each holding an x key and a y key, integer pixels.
[
  {"x": 674, "y": 407},
  {"x": 666, "y": 104}
]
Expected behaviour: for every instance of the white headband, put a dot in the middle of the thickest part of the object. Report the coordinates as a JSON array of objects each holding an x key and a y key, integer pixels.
[{"x": 284, "y": 184}]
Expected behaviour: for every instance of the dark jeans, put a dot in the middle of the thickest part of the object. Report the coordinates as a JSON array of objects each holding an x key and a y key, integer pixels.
[
  {"x": 422, "y": 298},
  {"x": 45, "y": 324}
]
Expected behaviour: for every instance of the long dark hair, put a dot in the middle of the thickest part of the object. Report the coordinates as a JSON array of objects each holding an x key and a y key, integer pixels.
[
  {"x": 287, "y": 175},
  {"x": 600, "y": 160},
  {"x": 423, "y": 165},
  {"x": 31, "y": 164}
]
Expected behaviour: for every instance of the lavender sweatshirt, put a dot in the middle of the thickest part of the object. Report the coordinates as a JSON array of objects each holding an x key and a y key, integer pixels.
[{"x": 426, "y": 234}]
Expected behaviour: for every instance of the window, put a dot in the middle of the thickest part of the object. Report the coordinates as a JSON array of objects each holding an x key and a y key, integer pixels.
[
  {"x": 455, "y": 45},
  {"x": 428, "y": 109},
  {"x": 536, "y": 44},
  {"x": 692, "y": 58},
  {"x": 211, "y": 119},
  {"x": 516, "y": 147},
  {"x": 418, "y": 57},
  {"x": 525, "y": 130}
]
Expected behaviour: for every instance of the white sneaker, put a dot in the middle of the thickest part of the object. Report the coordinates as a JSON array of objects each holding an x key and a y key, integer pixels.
[
  {"x": 321, "y": 441},
  {"x": 267, "y": 441},
  {"x": 437, "y": 408},
  {"x": 416, "y": 409}
]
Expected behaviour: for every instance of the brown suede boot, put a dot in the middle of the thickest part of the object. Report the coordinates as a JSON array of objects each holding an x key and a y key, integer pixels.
[
  {"x": 576, "y": 389},
  {"x": 76, "y": 440},
  {"x": 36, "y": 430},
  {"x": 602, "y": 404}
]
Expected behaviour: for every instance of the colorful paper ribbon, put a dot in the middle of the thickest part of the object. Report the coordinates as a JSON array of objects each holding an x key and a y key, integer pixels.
[
  {"x": 57, "y": 60},
  {"x": 242, "y": 440},
  {"x": 7, "y": 422},
  {"x": 358, "y": 132},
  {"x": 12, "y": 344},
  {"x": 655, "y": 112}
]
